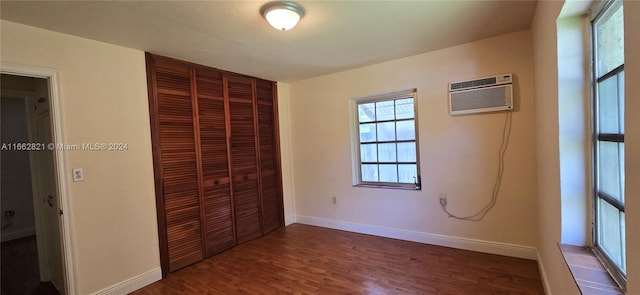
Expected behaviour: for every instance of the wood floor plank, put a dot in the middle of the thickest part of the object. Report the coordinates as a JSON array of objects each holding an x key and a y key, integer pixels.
[
  {"x": 302, "y": 259},
  {"x": 20, "y": 269}
]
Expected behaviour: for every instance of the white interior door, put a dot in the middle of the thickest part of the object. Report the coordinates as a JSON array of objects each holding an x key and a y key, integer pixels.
[{"x": 50, "y": 209}]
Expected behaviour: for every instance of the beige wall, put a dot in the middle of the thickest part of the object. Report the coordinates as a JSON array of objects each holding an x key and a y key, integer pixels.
[
  {"x": 547, "y": 146},
  {"x": 104, "y": 99},
  {"x": 632, "y": 142},
  {"x": 458, "y": 154},
  {"x": 285, "y": 152}
]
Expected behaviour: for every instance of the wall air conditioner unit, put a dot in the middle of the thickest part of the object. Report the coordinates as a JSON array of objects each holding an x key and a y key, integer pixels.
[{"x": 489, "y": 94}]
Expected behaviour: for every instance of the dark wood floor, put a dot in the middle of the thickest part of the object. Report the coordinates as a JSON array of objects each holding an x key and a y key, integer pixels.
[
  {"x": 302, "y": 259},
  {"x": 20, "y": 273}
]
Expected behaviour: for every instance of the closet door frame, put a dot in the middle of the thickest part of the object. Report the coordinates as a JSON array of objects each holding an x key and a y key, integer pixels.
[{"x": 276, "y": 134}]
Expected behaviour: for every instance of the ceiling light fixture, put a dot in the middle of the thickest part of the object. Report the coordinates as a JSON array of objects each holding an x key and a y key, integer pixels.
[{"x": 282, "y": 15}]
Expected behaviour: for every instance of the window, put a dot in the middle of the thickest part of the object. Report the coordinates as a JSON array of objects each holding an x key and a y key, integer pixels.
[
  {"x": 386, "y": 142},
  {"x": 608, "y": 56}
]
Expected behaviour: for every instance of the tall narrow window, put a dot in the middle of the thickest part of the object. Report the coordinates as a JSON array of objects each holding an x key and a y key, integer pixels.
[
  {"x": 386, "y": 141},
  {"x": 608, "y": 56}
]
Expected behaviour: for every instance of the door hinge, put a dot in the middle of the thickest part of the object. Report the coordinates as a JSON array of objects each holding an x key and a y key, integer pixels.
[{"x": 61, "y": 212}]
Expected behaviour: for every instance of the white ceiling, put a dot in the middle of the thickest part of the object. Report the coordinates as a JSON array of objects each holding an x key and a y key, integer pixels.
[{"x": 232, "y": 35}]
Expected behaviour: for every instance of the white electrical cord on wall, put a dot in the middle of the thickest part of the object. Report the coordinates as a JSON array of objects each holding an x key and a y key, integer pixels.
[{"x": 506, "y": 133}]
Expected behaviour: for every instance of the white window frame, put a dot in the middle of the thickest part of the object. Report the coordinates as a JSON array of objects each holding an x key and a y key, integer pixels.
[
  {"x": 602, "y": 9},
  {"x": 355, "y": 136}
]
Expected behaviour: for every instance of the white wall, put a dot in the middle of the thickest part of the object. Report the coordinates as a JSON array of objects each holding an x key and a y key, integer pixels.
[
  {"x": 104, "y": 99},
  {"x": 458, "y": 154},
  {"x": 574, "y": 127},
  {"x": 15, "y": 175}
]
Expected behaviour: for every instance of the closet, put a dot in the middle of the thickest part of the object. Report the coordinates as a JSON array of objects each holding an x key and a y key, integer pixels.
[{"x": 216, "y": 159}]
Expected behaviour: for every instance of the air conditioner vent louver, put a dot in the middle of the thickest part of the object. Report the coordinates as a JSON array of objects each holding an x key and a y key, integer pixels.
[
  {"x": 473, "y": 83},
  {"x": 481, "y": 95}
]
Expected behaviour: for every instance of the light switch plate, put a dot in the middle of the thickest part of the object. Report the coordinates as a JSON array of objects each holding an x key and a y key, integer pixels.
[{"x": 78, "y": 174}]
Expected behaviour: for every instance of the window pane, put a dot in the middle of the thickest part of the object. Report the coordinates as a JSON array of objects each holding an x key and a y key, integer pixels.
[
  {"x": 367, "y": 132},
  {"x": 368, "y": 153},
  {"x": 406, "y": 130},
  {"x": 366, "y": 112},
  {"x": 407, "y": 152},
  {"x": 387, "y": 131},
  {"x": 609, "y": 169},
  {"x": 404, "y": 108},
  {"x": 608, "y": 33},
  {"x": 369, "y": 172},
  {"x": 388, "y": 173},
  {"x": 621, "y": 161},
  {"x": 610, "y": 41},
  {"x": 387, "y": 152},
  {"x": 407, "y": 173},
  {"x": 608, "y": 106},
  {"x": 623, "y": 242},
  {"x": 609, "y": 237},
  {"x": 621, "y": 101},
  {"x": 382, "y": 122},
  {"x": 384, "y": 110}
]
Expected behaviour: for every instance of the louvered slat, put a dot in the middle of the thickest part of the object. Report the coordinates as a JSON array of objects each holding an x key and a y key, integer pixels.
[
  {"x": 218, "y": 220},
  {"x": 237, "y": 88},
  {"x": 179, "y": 166},
  {"x": 264, "y": 91},
  {"x": 268, "y": 166},
  {"x": 244, "y": 159}
]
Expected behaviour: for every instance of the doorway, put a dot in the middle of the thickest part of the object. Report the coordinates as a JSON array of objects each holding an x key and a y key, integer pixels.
[{"x": 32, "y": 245}]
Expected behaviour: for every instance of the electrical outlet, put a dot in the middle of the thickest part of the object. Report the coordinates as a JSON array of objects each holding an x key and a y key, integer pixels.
[
  {"x": 9, "y": 213},
  {"x": 78, "y": 174},
  {"x": 443, "y": 199},
  {"x": 334, "y": 200}
]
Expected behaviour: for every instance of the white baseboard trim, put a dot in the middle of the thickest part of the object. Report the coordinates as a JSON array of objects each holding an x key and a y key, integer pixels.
[
  {"x": 132, "y": 284},
  {"x": 16, "y": 234},
  {"x": 543, "y": 275},
  {"x": 483, "y": 246},
  {"x": 289, "y": 220}
]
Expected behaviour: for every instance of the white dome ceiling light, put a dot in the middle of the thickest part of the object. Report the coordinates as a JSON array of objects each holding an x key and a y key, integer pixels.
[{"x": 282, "y": 15}]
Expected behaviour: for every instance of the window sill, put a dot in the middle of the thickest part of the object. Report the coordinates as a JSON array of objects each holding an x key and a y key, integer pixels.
[
  {"x": 587, "y": 271},
  {"x": 409, "y": 188}
]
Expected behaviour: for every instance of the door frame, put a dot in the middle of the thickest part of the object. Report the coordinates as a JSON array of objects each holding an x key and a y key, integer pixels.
[{"x": 57, "y": 134}]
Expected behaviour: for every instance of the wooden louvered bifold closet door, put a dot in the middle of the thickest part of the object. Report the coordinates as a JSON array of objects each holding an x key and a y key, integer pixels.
[
  {"x": 244, "y": 162},
  {"x": 216, "y": 159},
  {"x": 268, "y": 162},
  {"x": 179, "y": 168},
  {"x": 218, "y": 220}
]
